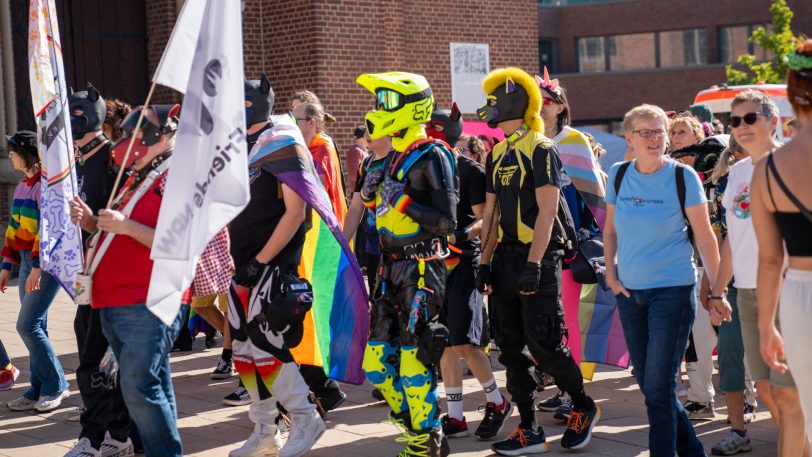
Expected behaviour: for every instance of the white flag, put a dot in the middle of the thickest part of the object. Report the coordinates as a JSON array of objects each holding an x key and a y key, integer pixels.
[
  {"x": 60, "y": 243},
  {"x": 176, "y": 63},
  {"x": 207, "y": 184}
]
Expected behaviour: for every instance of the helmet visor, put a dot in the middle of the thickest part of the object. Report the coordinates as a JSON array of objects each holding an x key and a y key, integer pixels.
[{"x": 388, "y": 100}]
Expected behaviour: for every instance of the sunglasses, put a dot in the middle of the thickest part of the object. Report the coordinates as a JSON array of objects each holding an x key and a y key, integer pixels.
[
  {"x": 548, "y": 101},
  {"x": 749, "y": 119}
]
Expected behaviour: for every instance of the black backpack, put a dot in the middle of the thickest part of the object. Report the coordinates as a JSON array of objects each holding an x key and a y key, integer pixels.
[{"x": 680, "y": 175}]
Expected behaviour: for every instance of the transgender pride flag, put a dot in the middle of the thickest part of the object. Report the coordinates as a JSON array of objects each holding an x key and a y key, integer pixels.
[{"x": 337, "y": 327}]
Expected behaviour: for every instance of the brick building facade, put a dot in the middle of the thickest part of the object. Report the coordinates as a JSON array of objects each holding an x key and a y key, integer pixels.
[
  {"x": 323, "y": 45},
  {"x": 634, "y": 64}
]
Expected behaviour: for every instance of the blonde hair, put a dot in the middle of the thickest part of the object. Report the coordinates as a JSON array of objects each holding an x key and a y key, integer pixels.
[
  {"x": 308, "y": 97},
  {"x": 726, "y": 160},
  {"x": 691, "y": 122},
  {"x": 316, "y": 112},
  {"x": 644, "y": 111}
]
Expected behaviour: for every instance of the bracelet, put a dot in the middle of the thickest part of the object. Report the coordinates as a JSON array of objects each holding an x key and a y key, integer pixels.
[{"x": 716, "y": 297}]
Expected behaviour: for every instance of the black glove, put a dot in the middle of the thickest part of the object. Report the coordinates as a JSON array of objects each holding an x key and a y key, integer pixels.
[
  {"x": 484, "y": 278},
  {"x": 250, "y": 274},
  {"x": 530, "y": 278}
]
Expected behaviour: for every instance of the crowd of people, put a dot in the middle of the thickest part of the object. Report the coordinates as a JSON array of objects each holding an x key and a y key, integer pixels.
[{"x": 464, "y": 241}]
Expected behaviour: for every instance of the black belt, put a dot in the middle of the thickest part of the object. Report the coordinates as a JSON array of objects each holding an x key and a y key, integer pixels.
[
  {"x": 435, "y": 248},
  {"x": 513, "y": 247}
]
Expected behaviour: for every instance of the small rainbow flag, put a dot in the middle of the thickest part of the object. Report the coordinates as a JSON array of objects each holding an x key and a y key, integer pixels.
[{"x": 337, "y": 327}]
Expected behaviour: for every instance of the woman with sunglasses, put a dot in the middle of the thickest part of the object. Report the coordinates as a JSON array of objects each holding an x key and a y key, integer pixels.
[
  {"x": 37, "y": 288},
  {"x": 753, "y": 120},
  {"x": 654, "y": 280},
  {"x": 782, "y": 201}
]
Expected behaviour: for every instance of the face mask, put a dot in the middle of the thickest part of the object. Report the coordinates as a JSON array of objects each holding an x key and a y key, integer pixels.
[{"x": 120, "y": 149}]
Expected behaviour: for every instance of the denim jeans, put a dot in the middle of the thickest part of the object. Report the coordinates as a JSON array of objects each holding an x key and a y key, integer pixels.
[
  {"x": 656, "y": 323},
  {"x": 47, "y": 377},
  {"x": 141, "y": 344}
]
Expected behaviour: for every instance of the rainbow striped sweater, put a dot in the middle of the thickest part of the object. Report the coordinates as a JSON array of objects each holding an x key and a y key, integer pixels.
[{"x": 22, "y": 233}]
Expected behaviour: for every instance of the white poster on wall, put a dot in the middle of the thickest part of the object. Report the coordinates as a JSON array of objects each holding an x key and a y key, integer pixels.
[{"x": 470, "y": 63}]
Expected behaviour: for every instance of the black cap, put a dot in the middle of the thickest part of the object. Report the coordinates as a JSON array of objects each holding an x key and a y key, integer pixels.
[
  {"x": 359, "y": 132},
  {"x": 24, "y": 139}
]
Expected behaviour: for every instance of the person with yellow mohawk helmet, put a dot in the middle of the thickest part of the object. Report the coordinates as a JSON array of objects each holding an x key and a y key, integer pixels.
[
  {"x": 524, "y": 211},
  {"x": 414, "y": 196}
]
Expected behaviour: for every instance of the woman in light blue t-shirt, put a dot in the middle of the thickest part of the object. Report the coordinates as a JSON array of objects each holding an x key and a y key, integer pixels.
[{"x": 655, "y": 274}]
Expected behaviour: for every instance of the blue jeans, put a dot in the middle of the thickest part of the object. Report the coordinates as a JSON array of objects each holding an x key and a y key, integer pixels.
[
  {"x": 47, "y": 377},
  {"x": 656, "y": 323},
  {"x": 141, "y": 344},
  {"x": 4, "y": 360}
]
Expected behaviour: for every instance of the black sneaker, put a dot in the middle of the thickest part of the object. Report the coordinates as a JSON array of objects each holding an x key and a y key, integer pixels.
[
  {"x": 332, "y": 400},
  {"x": 214, "y": 339},
  {"x": 522, "y": 441},
  {"x": 579, "y": 427},
  {"x": 493, "y": 420},
  {"x": 563, "y": 412},
  {"x": 553, "y": 403},
  {"x": 454, "y": 428},
  {"x": 239, "y": 397},
  {"x": 224, "y": 370}
]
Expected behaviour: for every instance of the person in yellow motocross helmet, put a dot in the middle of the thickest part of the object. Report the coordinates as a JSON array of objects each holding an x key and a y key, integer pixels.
[
  {"x": 414, "y": 196},
  {"x": 525, "y": 212}
]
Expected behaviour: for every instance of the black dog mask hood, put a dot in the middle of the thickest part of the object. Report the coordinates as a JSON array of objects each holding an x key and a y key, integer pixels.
[
  {"x": 451, "y": 122},
  {"x": 261, "y": 96},
  {"x": 91, "y": 103},
  {"x": 507, "y": 102}
]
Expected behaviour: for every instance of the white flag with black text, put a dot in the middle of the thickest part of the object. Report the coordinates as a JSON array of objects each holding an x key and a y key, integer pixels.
[{"x": 207, "y": 184}]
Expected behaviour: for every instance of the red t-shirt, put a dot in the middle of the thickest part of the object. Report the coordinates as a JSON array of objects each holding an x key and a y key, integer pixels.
[{"x": 123, "y": 275}]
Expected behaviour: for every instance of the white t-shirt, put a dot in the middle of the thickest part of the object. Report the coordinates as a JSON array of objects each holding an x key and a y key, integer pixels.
[{"x": 741, "y": 233}]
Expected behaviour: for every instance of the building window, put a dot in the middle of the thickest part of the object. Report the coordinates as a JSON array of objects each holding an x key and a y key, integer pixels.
[
  {"x": 735, "y": 41},
  {"x": 591, "y": 55},
  {"x": 629, "y": 52},
  {"x": 548, "y": 54},
  {"x": 683, "y": 48}
]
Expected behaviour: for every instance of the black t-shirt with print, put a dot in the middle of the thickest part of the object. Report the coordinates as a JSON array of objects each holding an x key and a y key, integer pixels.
[
  {"x": 373, "y": 244},
  {"x": 514, "y": 175},
  {"x": 95, "y": 178},
  {"x": 472, "y": 193},
  {"x": 252, "y": 228}
]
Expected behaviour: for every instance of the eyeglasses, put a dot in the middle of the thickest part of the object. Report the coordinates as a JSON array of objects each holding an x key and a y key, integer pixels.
[
  {"x": 548, "y": 101},
  {"x": 645, "y": 133},
  {"x": 749, "y": 119}
]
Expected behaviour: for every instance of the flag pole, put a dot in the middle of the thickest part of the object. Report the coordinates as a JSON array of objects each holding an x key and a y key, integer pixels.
[{"x": 94, "y": 241}]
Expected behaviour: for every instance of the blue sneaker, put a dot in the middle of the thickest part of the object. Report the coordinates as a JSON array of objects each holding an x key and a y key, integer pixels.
[
  {"x": 563, "y": 411},
  {"x": 522, "y": 441}
]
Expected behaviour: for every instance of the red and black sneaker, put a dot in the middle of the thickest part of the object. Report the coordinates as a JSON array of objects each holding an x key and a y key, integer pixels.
[
  {"x": 493, "y": 420},
  {"x": 454, "y": 428}
]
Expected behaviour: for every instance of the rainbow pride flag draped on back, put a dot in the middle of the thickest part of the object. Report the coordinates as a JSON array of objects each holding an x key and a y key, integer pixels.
[
  {"x": 337, "y": 327},
  {"x": 589, "y": 307}
]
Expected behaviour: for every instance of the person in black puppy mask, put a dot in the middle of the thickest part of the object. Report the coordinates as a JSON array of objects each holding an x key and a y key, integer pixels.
[{"x": 104, "y": 409}]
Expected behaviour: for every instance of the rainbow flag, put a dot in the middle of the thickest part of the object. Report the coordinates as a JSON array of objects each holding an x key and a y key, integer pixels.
[
  {"x": 337, "y": 327},
  {"x": 584, "y": 171},
  {"x": 587, "y": 307}
]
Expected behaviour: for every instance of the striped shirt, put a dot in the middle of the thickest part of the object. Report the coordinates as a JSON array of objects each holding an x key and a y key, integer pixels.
[{"x": 22, "y": 233}]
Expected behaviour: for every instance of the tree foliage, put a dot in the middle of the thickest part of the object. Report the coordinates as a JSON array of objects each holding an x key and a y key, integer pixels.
[{"x": 779, "y": 42}]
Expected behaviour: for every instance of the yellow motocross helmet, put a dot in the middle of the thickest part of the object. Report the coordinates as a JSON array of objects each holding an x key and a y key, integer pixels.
[{"x": 402, "y": 100}]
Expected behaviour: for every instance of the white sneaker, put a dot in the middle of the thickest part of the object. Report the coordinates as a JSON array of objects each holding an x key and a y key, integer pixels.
[
  {"x": 51, "y": 402},
  {"x": 75, "y": 414},
  {"x": 21, "y": 404},
  {"x": 83, "y": 448},
  {"x": 306, "y": 427},
  {"x": 112, "y": 447},
  {"x": 260, "y": 444}
]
